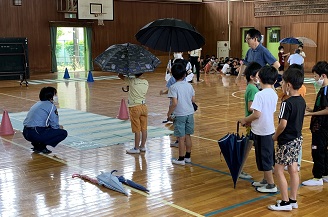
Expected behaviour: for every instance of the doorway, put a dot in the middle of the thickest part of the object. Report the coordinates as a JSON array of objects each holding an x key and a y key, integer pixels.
[
  {"x": 244, "y": 44},
  {"x": 273, "y": 38},
  {"x": 70, "y": 49}
]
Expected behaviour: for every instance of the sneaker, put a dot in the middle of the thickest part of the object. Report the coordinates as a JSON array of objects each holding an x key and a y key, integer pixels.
[
  {"x": 278, "y": 207},
  {"x": 265, "y": 189},
  {"x": 187, "y": 160},
  {"x": 133, "y": 151},
  {"x": 313, "y": 182},
  {"x": 294, "y": 205},
  {"x": 142, "y": 149},
  {"x": 245, "y": 175},
  {"x": 179, "y": 162},
  {"x": 259, "y": 184},
  {"x": 175, "y": 144},
  {"x": 325, "y": 178}
]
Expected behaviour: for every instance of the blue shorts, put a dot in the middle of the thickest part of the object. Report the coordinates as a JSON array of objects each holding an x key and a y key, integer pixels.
[{"x": 183, "y": 125}]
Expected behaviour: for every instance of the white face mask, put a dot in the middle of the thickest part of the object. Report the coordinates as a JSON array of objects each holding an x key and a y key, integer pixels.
[
  {"x": 320, "y": 82},
  {"x": 55, "y": 99}
]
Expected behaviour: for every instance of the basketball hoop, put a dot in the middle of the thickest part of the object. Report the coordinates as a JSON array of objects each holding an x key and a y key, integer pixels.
[{"x": 100, "y": 19}]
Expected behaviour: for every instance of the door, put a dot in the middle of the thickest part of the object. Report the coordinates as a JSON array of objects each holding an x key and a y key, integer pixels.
[
  {"x": 272, "y": 40},
  {"x": 244, "y": 45}
]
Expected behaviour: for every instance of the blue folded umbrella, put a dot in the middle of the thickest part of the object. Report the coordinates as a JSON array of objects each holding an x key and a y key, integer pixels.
[
  {"x": 132, "y": 184},
  {"x": 235, "y": 149}
]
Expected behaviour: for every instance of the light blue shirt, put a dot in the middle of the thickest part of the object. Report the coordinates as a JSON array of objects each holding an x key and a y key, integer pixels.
[
  {"x": 42, "y": 114},
  {"x": 184, "y": 92},
  {"x": 295, "y": 59},
  {"x": 261, "y": 55}
]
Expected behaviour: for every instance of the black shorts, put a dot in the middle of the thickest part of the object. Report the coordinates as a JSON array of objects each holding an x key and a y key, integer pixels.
[{"x": 264, "y": 152}]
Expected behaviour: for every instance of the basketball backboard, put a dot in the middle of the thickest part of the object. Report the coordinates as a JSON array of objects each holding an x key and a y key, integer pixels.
[{"x": 95, "y": 9}]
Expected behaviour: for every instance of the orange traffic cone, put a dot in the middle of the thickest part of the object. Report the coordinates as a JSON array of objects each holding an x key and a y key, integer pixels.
[
  {"x": 6, "y": 128},
  {"x": 123, "y": 112}
]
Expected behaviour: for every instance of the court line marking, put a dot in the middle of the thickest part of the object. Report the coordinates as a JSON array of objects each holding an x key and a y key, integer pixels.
[{"x": 55, "y": 158}]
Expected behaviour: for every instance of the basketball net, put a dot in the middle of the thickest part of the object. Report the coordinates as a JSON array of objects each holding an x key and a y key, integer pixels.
[{"x": 100, "y": 19}]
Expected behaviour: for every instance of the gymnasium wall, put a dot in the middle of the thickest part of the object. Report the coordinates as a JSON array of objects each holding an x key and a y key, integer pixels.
[
  {"x": 31, "y": 20},
  {"x": 211, "y": 19}
]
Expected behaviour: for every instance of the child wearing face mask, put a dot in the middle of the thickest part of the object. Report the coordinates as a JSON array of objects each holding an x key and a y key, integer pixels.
[
  {"x": 319, "y": 127},
  {"x": 289, "y": 139},
  {"x": 251, "y": 89}
]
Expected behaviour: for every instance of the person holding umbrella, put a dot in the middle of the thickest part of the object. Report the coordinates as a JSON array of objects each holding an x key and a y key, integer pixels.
[
  {"x": 138, "y": 110},
  {"x": 182, "y": 96},
  {"x": 264, "y": 106}
]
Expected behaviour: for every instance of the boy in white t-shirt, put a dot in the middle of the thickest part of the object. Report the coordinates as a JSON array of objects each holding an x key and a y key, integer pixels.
[
  {"x": 262, "y": 126},
  {"x": 226, "y": 66}
]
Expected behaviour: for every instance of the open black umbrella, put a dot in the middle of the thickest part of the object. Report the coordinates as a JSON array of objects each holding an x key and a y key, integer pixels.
[
  {"x": 170, "y": 34},
  {"x": 127, "y": 59},
  {"x": 235, "y": 149}
]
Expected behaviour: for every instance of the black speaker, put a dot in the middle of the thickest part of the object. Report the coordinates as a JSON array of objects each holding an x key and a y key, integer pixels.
[{"x": 14, "y": 58}]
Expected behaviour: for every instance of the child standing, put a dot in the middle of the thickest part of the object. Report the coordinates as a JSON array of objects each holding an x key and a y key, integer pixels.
[
  {"x": 262, "y": 124},
  {"x": 138, "y": 110},
  {"x": 289, "y": 137},
  {"x": 319, "y": 127},
  {"x": 251, "y": 89},
  {"x": 182, "y": 96}
]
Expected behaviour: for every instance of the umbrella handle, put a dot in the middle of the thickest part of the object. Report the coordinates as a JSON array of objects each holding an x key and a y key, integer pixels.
[
  {"x": 238, "y": 127},
  {"x": 127, "y": 89}
]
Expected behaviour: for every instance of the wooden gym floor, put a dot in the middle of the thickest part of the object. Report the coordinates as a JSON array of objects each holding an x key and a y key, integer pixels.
[{"x": 42, "y": 185}]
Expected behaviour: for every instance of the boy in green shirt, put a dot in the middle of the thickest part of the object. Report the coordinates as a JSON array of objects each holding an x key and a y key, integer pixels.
[{"x": 251, "y": 90}]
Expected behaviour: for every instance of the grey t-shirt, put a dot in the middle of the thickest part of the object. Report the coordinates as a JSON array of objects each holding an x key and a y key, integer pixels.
[{"x": 184, "y": 92}]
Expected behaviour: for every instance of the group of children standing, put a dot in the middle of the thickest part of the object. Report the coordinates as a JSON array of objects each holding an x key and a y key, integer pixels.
[{"x": 259, "y": 109}]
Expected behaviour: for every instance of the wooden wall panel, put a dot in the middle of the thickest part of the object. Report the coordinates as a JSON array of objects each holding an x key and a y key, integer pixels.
[
  {"x": 242, "y": 15},
  {"x": 322, "y": 42},
  {"x": 31, "y": 20},
  {"x": 309, "y": 30}
]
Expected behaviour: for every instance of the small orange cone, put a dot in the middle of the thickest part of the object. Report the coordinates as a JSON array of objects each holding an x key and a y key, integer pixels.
[
  {"x": 123, "y": 112},
  {"x": 6, "y": 128}
]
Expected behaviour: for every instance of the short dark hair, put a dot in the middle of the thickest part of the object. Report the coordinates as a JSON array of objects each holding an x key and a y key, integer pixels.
[
  {"x": 254, "y": 33},
  {"x": 178, "y": 71},
  {"x": 280, "y": 47},
  {"x": 320, "y": 68},
  {"x": 298, "y": 51},
  {"x": 301, "y": 45},
  {"x": 293, "y": 76},
  {"x": 296, "y": 66},
  {"x": 251, "y": 70},
  {"x": 47, "y": 93},
  {"x": 268, "y": 74}
]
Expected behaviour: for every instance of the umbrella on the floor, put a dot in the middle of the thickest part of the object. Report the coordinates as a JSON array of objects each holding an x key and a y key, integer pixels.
[
  {"x": 106, "y": 179},
  {"x": 132, "y": 184},
  {"x": 235, "y": 149},
  {"x": 127, "y": 59},
  {"x": 170, "y": 35}
]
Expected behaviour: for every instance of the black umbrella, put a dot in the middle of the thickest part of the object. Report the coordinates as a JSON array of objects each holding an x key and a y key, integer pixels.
[
  {"x": 170, "y": 34},
  {"x": 127, "y": 59},
  {"x": 235, "y": 149}
]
